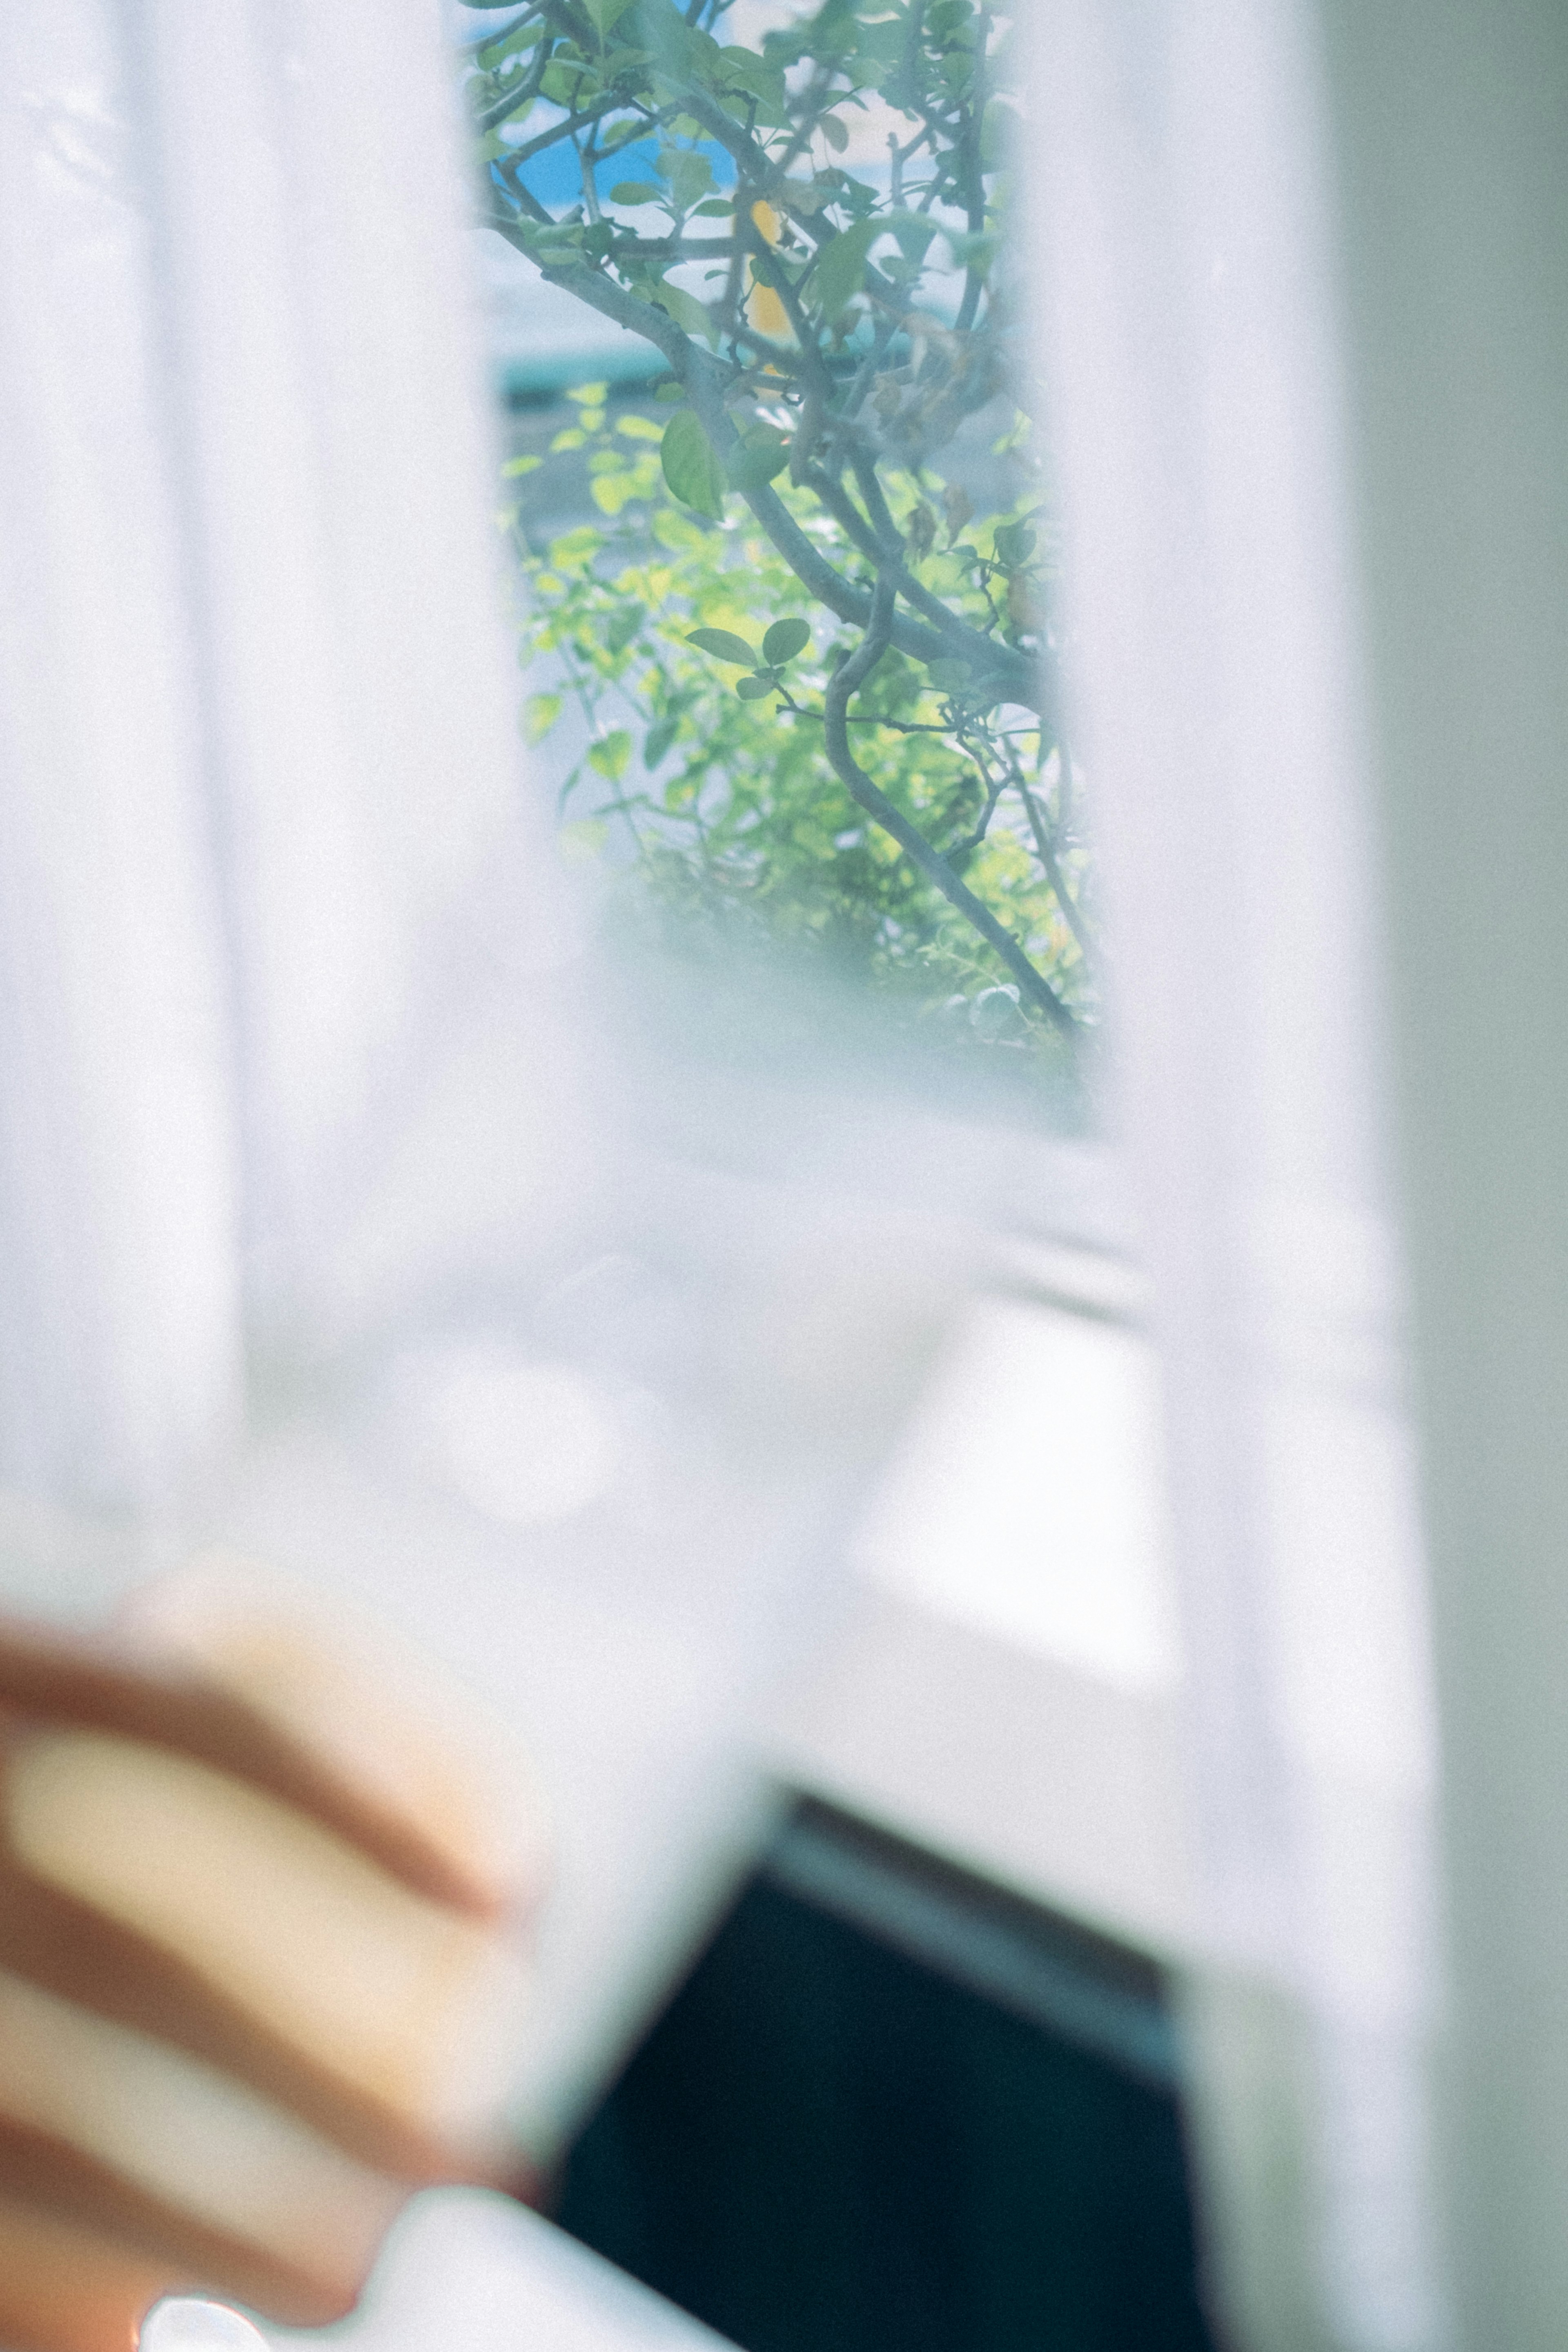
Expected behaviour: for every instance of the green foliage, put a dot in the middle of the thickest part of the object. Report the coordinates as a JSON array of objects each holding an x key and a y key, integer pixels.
[
  {"x": 690, "y": 466},
  {"x": 830, "y": 325},
  {"x": 724, "y": 821}
]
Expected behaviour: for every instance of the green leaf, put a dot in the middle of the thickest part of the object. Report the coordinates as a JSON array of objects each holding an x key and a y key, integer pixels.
[
  {"x": 1014, "y": 542},
  {"x": 977, "y": 253},
  {"x": 689, "y": 175},
  {"x": 612, "y": 755},
  {"x": 914, "y": 233},
  {"x": 714, "y": 208},
  {"x": 691, "y": 467},
  {"x": 574, "y": 548},
  {"x": 835, "y": 132},
  {"x": 540, "y": 713},
  {"x": 690, "y": 315},
  {"x": 639, "y": 428},
  {"x": 571, "y": 436},
  {"x": 784, "y": 640},
  {"x": 657, "y": 740},
  {"x": 633, "y": 192},
  {"x": 522, "y": 465},
  {"x": 559, "y": 83},
  {"x": 670, "y": 391},
  {"x": 605, "y": 13},
  {"x": 753, "y": 690},
  {"x": 725, "y": 646},
  {"x": 625, "y": 625},
  {"x": 587, "y": 395},
  {"x": 759, "y": 458},
  {"x": 841, "y": 265}
]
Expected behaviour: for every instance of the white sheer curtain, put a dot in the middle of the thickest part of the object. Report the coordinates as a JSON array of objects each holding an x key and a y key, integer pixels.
[
  {"x": 1192, "y": 359},
  {"x": 260, "y": 823},
  {"x": 259, "y": 832}
]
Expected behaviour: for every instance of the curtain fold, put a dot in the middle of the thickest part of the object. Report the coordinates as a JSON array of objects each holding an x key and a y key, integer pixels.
[
  {"x": 1193, "y": 401},
  {"x": 262, "y": 829},
  {"x": 120, "y": 1189}
]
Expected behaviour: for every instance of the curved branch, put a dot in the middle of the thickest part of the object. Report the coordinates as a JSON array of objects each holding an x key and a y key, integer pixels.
[
  {"x": 849, "y": 676},
  {"x": 706, "y": 381}
]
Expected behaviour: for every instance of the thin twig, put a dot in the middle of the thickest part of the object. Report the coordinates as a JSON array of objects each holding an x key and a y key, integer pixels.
[{"x": 1046, "y": 848}]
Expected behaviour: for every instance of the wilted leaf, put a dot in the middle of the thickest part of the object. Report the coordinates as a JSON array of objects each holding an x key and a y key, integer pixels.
[
  {"x": 540, "y": 713},
  {"x": 725, "y": 646},
  {"x": 783, "y": 641},
  {"x": 691, "y": 467},
  {"x": 611, "y": 755}
]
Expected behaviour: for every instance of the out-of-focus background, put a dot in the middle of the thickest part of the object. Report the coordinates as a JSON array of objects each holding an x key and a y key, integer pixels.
[{"x": 1029, "y": 1577}]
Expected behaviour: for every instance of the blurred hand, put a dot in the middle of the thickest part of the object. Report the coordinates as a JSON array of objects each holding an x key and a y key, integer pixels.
[{"x": 261, "y": 1876}]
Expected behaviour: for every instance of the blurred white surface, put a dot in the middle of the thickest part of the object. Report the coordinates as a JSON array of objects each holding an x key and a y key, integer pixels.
[
  {"x": 1025, "y": 1497},
  {"x": 468, "y": 2272}
]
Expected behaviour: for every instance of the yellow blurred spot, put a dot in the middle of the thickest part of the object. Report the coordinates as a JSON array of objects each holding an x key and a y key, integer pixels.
[{"x": 764, "y": 310}]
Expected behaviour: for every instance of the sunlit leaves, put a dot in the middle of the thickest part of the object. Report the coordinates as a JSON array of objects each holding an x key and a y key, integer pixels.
[
  {"x": 844, "y": 316},
  {"x": 611, "y": 756},
  {"x": 540, "y": 713}
]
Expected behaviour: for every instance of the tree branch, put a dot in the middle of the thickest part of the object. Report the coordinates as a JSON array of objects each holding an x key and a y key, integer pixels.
[{"x": 847, "y": 680}]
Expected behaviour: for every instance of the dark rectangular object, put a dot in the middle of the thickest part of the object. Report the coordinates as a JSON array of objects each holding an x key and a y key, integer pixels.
[{"x": 896, "y": 2109}]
